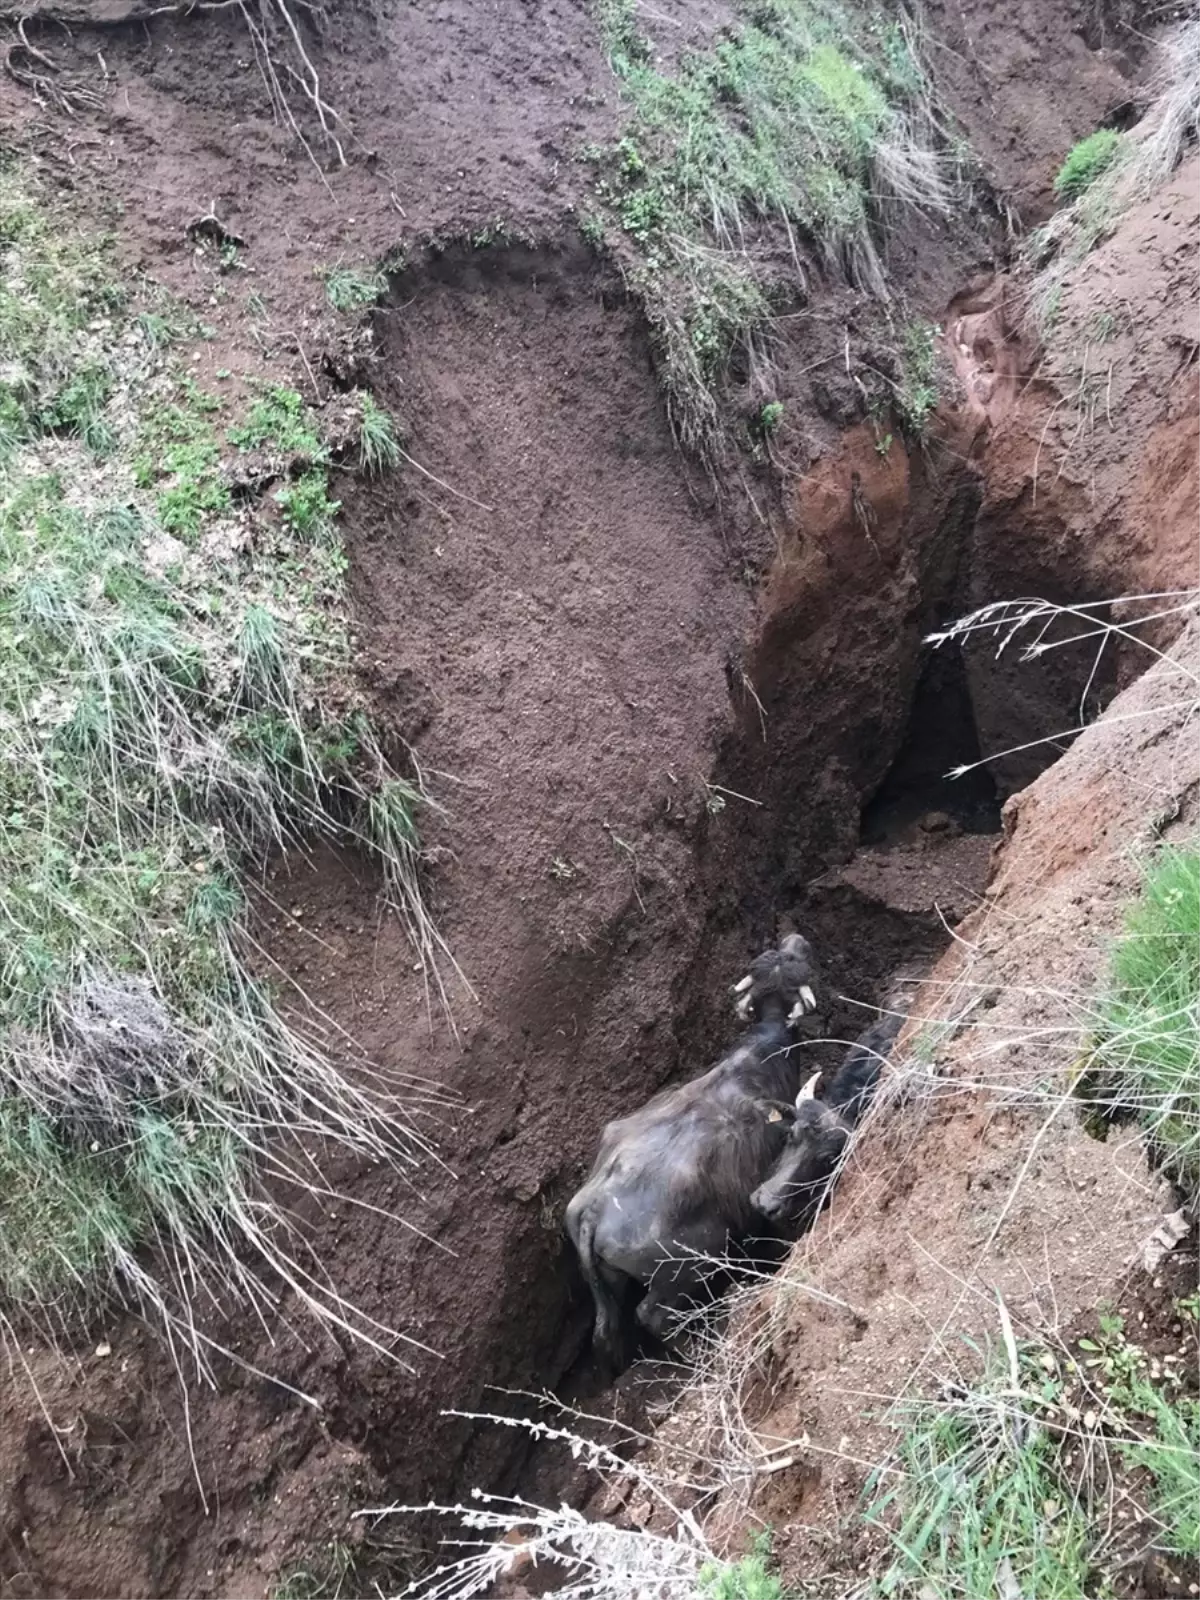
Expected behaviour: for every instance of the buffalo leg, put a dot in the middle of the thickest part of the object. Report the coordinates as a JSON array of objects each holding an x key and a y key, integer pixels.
[{"x": 677, "y": 1287}]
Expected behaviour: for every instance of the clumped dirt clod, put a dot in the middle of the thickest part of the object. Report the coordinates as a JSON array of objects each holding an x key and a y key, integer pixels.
[{"x": 118, "y": 1049}]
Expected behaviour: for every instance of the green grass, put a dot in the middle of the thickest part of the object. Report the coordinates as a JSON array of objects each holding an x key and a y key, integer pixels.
[
  {"x": 1159, "y": 1430},
  {"x": 58, "y": 301},
  {"x": 379, "y": 447},
  {"x": 280, "y": 421},
  {"x": 916, "y": 394},
  {"x": 305, "y": 504},
  {"x": 802, "y": 118},
  {"x": 353, "y": 289},
  {"x": 977, "y": 1474},
  {"x": 987, "y": 1494},
  {"x": 178, "y": 453},
  {"x": 1086, "y": 161},
  {"x": 1145, "y": 1054},
  {"x": 770, "y": 419},
  {"x": 176, "y": 704}
]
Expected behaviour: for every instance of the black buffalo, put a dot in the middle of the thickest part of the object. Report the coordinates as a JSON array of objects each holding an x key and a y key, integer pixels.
[
  {"x": 820, "y": 1130},
  {"x": 671, "y": 1185}
]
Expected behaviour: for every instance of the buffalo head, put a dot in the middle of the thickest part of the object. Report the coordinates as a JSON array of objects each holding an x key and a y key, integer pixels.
[
  {"x": 783, "y": 981},
  {"x": 816, "y": 1141}
]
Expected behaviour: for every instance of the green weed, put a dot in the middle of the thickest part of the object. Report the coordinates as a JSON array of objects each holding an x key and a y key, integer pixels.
[
  {"x": 178, "y": 453},
  {"x": 917, "y": 391},
  {"x": 770, "y": 418},
  {"x": 78, "y": 407},
  {"x": 306, "y": 506},
  {"x": 749, "y": 1578},
  {"x": 279, "y": 420},
  {"x": 155, "y": 329},
  {"x": 1145, "y": 1055},
  {"x": 1086, "y": 161},
  {"x": 354, "y": 288},
  {"x": 801, "y": 116},
  {"x": 493, "y": 233}
]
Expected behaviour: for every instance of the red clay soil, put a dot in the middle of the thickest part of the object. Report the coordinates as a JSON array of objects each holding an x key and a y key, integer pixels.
[
  {"x": 1089, "y": 449},
  {"x": 977, "y": 1178},
  {"x": 560, "y": 617}
]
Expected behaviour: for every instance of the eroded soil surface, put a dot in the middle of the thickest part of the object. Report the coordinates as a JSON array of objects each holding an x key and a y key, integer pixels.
[{"x": 578, "y": 633}]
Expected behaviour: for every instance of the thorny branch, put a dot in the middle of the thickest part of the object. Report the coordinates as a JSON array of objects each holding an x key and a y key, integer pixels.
[{"x": 265, "y": 21}]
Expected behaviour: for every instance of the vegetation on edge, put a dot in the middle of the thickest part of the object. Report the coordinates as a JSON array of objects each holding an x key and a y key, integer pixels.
[
  {"x": 1086, "y": 161},
  {"x": 1047, "y": 1475},
  {"x": 1145, "y": 1052},
  {"x": 1108, "y": 172},
  {"x": 174, "y": 704},
  {"x": 804, "y": 116}
]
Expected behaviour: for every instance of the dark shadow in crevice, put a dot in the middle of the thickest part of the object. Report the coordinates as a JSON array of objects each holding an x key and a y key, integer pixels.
[{"x": 940, "y": 738}]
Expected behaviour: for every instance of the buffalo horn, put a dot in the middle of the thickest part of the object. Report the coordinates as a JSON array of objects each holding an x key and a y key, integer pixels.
[{"x": 808, "y": 1090}]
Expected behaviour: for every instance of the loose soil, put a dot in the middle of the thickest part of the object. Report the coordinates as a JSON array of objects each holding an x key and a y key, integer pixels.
[{"x": 578, "y": 633}]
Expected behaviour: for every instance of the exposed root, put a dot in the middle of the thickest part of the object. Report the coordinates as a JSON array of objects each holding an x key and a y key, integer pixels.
[
  {"x": 279, "y": 51},
  {"x": 35, "y": 71}
]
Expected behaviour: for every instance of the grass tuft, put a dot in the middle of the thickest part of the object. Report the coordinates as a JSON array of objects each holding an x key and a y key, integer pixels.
[
  {"x": 1110, "y": 172},
  {"x": 305, "y": 504},
  {"x": 916, "y": 394},
  {"x": 378, "y": 443},
  {"x": 352, "y": 289},
  {"x": 1086, "y": 161},
  {"x": 748, "y": 1578},
  {"x": 326, "y": 1573}
]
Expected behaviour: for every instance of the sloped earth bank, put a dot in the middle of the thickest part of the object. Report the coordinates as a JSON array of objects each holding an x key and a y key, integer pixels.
[
  {"x": 977, "y": 1182},
  {"x": 579, "y": 634}
]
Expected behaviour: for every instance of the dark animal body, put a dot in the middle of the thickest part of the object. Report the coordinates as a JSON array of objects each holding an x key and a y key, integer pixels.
[
  {"x": 671, "y": 1185},
  {"x": 817, "y": 1137}
]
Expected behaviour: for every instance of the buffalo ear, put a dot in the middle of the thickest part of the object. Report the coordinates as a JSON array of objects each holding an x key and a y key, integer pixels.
[{"x": 781, "y": 1111}]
